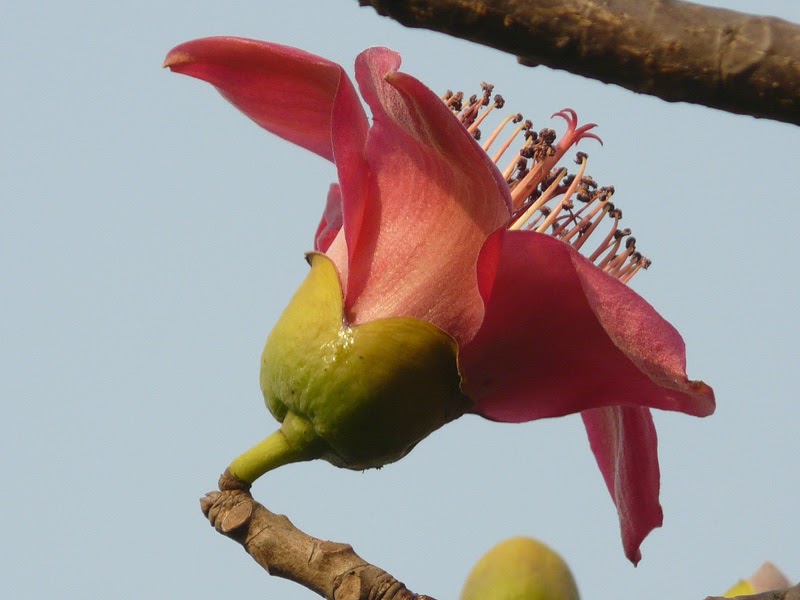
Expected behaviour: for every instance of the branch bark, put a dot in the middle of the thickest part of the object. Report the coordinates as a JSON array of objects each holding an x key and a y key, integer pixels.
[
  {"x": 792, "y": 593},
  {"x": 678, "y": 51},
  {"x": 332, "y": 570}
]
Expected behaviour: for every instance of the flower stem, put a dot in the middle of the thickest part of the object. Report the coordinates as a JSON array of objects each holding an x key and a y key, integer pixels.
[{"x": 295, "y": 441}]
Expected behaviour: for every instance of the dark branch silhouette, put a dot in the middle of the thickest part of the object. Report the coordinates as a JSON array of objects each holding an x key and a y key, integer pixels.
[{"x": 675, "y": 50}]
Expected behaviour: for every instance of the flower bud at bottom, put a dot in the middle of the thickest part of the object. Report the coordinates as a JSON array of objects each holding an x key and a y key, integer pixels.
[
  {"x": 357, "y": 396},
  {"x": 520, "y": 568}
]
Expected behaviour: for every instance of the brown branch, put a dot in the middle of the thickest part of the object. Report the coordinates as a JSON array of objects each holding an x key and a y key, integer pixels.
[
  {"x": 332, "y": 570},
  {"x": 792, "y": 593},
  {"x": 675, "y": 50}
]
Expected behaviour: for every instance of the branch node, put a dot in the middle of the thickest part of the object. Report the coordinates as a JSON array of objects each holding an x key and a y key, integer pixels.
[{"x": 229, "y": 481}]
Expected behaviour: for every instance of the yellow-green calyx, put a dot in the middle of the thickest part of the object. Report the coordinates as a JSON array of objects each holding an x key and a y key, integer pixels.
[
  {"x": 358, "y": 396},
  {"x": 520, "y": 568}
]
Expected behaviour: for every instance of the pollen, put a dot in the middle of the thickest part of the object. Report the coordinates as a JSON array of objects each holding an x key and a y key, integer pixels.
[{"x": 546, "y": 197}]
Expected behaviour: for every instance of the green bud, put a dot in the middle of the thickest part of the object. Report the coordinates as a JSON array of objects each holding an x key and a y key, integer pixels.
[
  {"x": 358, "y": 396},
  {"x": 520, "y": 568}
]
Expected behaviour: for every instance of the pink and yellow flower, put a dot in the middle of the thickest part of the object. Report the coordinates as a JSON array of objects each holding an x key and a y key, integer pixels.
[{"x": 422, "y": 224}]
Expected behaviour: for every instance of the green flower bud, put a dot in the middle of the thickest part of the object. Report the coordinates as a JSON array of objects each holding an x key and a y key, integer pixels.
[
  {"x": 358, "y": 396},
  {"x": 520, "y": 568}
]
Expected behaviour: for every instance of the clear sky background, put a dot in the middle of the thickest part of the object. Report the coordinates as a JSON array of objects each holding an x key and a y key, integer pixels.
[{"x": 150, "y": 236}]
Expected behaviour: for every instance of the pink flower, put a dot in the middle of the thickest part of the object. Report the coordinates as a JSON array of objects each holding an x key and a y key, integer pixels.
[{"x": 423, "y": 224}]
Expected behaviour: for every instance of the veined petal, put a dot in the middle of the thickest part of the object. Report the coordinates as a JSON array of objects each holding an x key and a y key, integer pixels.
[
  {"x": 285, "y": 90},
  {"x": 331, "y": 221},
  {"x": 434, "y": 198},
  {"x": 624, "y": 442},
  {"x": 561, "y": 336}
]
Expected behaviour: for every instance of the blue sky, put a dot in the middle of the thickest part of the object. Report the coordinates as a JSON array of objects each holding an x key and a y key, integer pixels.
[{"x": 151, "y": 235}]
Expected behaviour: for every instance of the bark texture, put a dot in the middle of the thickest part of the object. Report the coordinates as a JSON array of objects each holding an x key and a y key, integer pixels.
[
  {"x": 792, "y": 593},
  {"x": 675, "y": 50},
  {"x": 332, "y": 570}
]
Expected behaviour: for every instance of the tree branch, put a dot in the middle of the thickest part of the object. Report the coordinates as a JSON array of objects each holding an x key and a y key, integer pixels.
[
  {"x": 332, "y": 570},
  {"x": 675, "y": 50},
  {"x": 792, "y": 593}
]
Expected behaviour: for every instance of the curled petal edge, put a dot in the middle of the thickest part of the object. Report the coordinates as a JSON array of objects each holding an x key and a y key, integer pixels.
[{"x": 560, "y": 336}]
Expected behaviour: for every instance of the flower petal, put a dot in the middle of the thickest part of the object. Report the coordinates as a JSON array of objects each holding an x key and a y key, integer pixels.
[
  {"x": 285, "y": 90},
  {"x": 331, "y": 221},
  {"x": 434, "y": 198},
  {"x": 625, "y": 445},
  {"x": 561, "y": 336}
]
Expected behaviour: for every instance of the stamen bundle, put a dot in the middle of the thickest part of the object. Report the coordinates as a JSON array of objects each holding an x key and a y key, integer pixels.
[{"x": 544, "y": 195}]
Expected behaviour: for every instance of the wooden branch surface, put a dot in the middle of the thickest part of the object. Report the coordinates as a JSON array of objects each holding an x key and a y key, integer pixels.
[
  {"x": 678, "y": 51},
  {"x": 332, "y": 570}
]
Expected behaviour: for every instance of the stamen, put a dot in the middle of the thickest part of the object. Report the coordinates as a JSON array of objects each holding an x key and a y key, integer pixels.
[
  {"x": 544, "y": 195},
  {"x": 644, "y": 263},
  {"x": 516, "y": 119},
  {"x": 498, "y": 103},
  {"x": 605, "y": 206},
  {"x": 521, "y": 168},
  {"x": 616, "y": 213},
  {"x": 619, "y": 234},
  {"x": 541, "y": 214},
  {"x": 629, "y": 265},
  {"x": 617, "y": 262},
  {"x": 527, "y": 184},
  {"x": 467, "y": 116},
  {"x": 560, "y": 232},
  {"x": 565, "y": 198},
  {"x": 454, "y": 100}
]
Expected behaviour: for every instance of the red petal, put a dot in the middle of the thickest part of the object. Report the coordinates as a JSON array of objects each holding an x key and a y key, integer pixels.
[
  {"x": 561, "y": 336},
  {"x": 285, "y": 90},
  {"x": 331, "y": 221},
  {"x": 625, "y": 445},
  {"x": 434, "y": 198}
]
